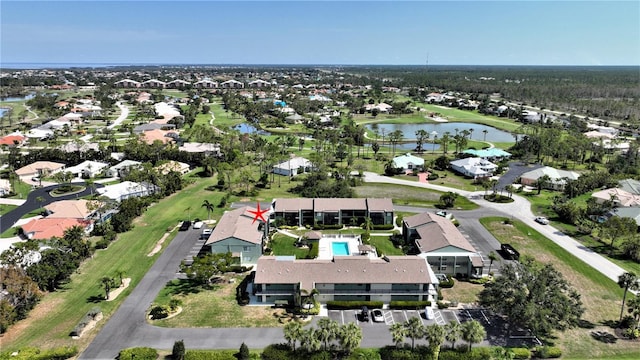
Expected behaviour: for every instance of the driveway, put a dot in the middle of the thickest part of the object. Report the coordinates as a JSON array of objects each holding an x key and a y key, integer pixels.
[{"x": 516, "y": 169}]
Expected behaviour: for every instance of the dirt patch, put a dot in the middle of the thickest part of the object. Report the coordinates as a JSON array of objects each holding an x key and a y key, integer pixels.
[
  {"x": 41, "y": 311},
  {"x": 114, "y": 294},
  {"x": 158, "y": 246},
  {"x": 89, "y": 326}
]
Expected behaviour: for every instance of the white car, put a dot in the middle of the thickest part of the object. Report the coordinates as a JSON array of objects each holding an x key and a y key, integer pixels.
[
  {"x": 429, "y": 314},
  {"x": 542, "y": 220},
  {"x": 198, "y": 224},
  {"x": 205, "y": 233},
  {"x": 377, "y": 315}
]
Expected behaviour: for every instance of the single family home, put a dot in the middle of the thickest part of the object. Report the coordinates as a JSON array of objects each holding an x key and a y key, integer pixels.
[
  {"x": 239, "y": 234},
  {"x": 408, "y": 162},
  {"x": 293, "y": 166},
  {"x": 474, "y": 167},
  {"x": 127, "y": 189},
  {"x": 557, "y": 178}
]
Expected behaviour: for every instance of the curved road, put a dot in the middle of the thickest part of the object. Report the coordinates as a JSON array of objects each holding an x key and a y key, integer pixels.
[{"x": 128, "y": 326}]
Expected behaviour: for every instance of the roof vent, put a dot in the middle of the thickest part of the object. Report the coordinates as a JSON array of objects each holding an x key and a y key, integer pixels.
[{"x": 364, "y": 270}]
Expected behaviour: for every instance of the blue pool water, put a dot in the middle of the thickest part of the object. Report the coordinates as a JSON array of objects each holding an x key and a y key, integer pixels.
[{"x": 340, "y": 248}]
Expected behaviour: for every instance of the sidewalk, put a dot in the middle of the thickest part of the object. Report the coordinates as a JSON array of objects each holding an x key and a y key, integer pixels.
[{"x": 17, "y": 202}]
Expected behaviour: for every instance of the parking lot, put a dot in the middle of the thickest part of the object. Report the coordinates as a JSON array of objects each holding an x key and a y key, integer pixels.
[{"x": 392, "y": 316}]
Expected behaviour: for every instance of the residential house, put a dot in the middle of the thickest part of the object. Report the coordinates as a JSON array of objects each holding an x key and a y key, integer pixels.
[
  {"x": 87, "y": 169},
  {"x": 12, "y": 140},
  {"x": 70, "y": 209},
  {"x": 178, "y": 84},
  {"x": 558, "y": 178},
  {"x": 293, "y": 166},
  {"x": 173, "y": 165},
  {"x": 442, "y": 245},
  {"x": 5, "y": 187},
  {"x": 630, "y": 185},
  {"x": 474, "y": 167},
  {"x": 163, "y": 136},
  {"x": 628, "y": 212},
  {"x": 492, "y": 154},
  {"x": 206, "y": 84},
  {"x": 152, "y": 126},
  {"x": 127, "y": 189},
  {"x": 46, "y": 228},
  {"x": 239, "y": 234},
  {"x": 344, "y": 278},
  {"x": 74, "y": 146},
  {"x": 232, "y": 84},
  {"x": 408, "y": 162},
  {"x": 617, "y": 196},
  {"x": 207, "y": 149},
  {"x": 123, "y": 168},
  {"x": 127, "y": 83},
  {"x": 154, "y": 84},
  {"x": 259, "y": 83},
  {"x": 38, "y": 168},
  {"x": 332, "y": 211}
]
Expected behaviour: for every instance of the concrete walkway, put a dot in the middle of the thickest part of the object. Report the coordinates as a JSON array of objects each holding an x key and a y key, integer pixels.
[
  {"x": 521, "y": 209},
  {"x": 17, "y": 202},
  {"x": 124, "y": 113}
]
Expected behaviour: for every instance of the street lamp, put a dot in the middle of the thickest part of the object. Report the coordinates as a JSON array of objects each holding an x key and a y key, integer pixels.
[{"x": 434, "y": 134}]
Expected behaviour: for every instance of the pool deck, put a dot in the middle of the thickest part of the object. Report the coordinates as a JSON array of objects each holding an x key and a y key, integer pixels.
[{"x": 325, "y": 251}]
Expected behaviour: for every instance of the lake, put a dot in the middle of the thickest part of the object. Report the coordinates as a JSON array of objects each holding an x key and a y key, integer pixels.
[
  {"x": 245, "y": 128},
  {"x": 409, "y": 131}
]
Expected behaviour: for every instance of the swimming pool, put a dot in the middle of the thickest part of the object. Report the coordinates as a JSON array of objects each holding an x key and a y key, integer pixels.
[{"x": 340, "y": 248}]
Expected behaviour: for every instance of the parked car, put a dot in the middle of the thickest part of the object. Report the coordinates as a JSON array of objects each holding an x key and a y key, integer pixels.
[
  {"x": 205, "y": 233},
  {"x": 542, "y": 220},
  {"x": 185, "y": 225},
  {"x": 509, "y": 253},
  {"x": 364, "y": 314},
  {"x": 429, "y": 314},
  {"x": 198, "y": 224},
  {"x": 377, "y": 315}
]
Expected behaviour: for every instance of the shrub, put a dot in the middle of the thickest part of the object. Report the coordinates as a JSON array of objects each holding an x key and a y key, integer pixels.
[
  {"x": 368, "y": 354},
  {"x": 346, "y": 305},
  {"x": 448, "y": 283},
  {"x": 102, "y": 244},
  {"x": 548, "y": 352},
  {"x": 480, "y": 281},
  {"x": 210, "y": 355},
  {"x": 138, "y": 353},
  {"x": 243, "y": 353},
  {"x": 433, "y": 176},
  {"x": 276, "y": 352},
  {"x": 521, "y": 353},
  {"x": 159, "y": 312},
  {"x": 409, "y": 305},
  {"x": 33, "y": 353},
  {"x": 383, "y": 227},
  {"x": 442, "y": 305},
  {"x": 631, "y": 333},
  {"x": 178, "y": 351},
  {"x": 174, "y": 304}
]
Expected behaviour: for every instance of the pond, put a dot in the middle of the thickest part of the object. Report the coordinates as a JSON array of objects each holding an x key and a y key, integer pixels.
[
  {"x": 18, "y": 98},
  {"x": 409, "y": 131},
  {"x": 250, "y": 129}
]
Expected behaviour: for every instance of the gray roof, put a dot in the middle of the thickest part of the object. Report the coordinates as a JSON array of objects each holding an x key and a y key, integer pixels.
[
  {"x": 237, "y": 224},
  {"x": 343, "y": 270},
  {"x": 630, "y": 185},
  {"x": 629, "y": 212},
  {"x": 437, "y": 232}
]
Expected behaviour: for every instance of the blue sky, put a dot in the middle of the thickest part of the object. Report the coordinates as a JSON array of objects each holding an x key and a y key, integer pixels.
[{"x": 322, "y": 32}]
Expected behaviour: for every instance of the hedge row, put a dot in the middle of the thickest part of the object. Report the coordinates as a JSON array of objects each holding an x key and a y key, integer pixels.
[
  {"x": 345, "y": 305},
  {"x": 521, "y": 353},
  {"x": 211, "y": 355},
  {"x": 409, "y": 305},
  {"x": 383, "y": 227},
  {"x": 548, "y": 352},
  {"x": 31, "y": 353},
  {"x": 144, "y": 353}
]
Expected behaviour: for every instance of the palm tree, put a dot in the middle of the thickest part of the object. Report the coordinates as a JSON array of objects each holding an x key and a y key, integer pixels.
[
  {"x": 435, "y": 335},
  {"x": 327, "y": 331},
  {"x": 415, "y": 330},
  {"x": 107, "y": 282},
  {"x": 634, "y": 308},
  {"x": 293, "y": 333},
  {"x": 484, "y": 132},
  {"x": 120, "y": 274},
  {"x": 453, "y": 330},
  {"x": 398, "y": 333},
  {"x": 473, "y": 332},
  {"x": 542, "y": 182},
  {"x": 350, "y": 336},
  {"x": 309, "y": 341},
  {"x": 492, "y": 257},
  {"x": 209, "y": 207},
  {"x": 627, "y": 281}
]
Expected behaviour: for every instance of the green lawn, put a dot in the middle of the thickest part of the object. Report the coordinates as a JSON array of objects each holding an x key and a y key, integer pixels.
[
  {"x": 49, "y": 324},
  {"x": 5, "y": 208},
  {"x": 384, "y": 245},
  {"x": 21, "y": 189},
  {"x": 409, "y": 195},
  {"x": 282, "y": 244},
  {"x": 600, "y": 295}
]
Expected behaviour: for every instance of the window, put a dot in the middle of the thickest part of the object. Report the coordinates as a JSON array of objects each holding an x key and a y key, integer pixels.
[
  {"x": 246, "y": 248},
  {"x": 443, "y": 268}
]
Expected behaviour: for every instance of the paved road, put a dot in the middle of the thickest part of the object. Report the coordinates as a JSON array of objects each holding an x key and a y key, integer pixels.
[
  {"x": 128, "y": 326},
  {"x": 124, "y": 113}
]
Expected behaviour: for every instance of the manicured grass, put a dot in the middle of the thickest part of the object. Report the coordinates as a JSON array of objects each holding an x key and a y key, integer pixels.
[
  {"x": 282, "y": 244},
  {"x": 216, "y": 307},
  {"x": 462, "y": 292},
  {"x": 384, "y": 245},
  {"x": 5, "y": 208},
  {"x": 22, "y": 190},
  {"x": 457, "y": 115},
  {"x": 49, "y": 324},
  {"x": 9, "y": 233},
  {"x": 409, "y": 195},
  {"x": 33, "y": 213},
  {"x": 600, "y": 296}
]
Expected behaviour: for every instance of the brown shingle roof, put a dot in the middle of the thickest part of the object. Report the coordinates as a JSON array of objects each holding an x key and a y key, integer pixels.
[
  {"x": 33, "y": 168},
  {"x": 73, "y": 209},
  {"x": 294, "y": 204},
  {"x": 336, "y": 204},
  {"x": 237, "y": 224},
  {"x": 437, "y": 232},
  {"x": 380, "y": 204},
  {"x": 343, "y": 270}
]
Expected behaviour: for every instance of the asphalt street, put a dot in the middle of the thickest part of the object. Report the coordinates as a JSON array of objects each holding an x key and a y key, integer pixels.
[{"x": 31, "y": 203}]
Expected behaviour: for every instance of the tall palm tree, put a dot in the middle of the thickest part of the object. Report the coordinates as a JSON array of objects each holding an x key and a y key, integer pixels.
[
  {"x": 292, "y": 333},
  {"x": 473, "y": 332},
  {"x": 435, "y": 335},
  {"x": 415, "y": 330},
  {"x": 107, "y": 282},
  {"x": 627, "y": 281},
  {"x": 350, "y": 337},
  {"x": 398, "y": 333},
  {"x": 327, "y": 331},
  {"x": 453, "y": 330},
  {"x": 209, "y": 207},
  {"x": 484, "y": 132},
  {"x": 309, "y": 341}
]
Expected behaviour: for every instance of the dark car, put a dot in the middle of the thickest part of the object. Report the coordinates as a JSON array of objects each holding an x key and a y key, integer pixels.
[
  {"x": 509, "y": 252},
  {"x": 364, "y": 314},
  {"x": 185, "y": 225}
]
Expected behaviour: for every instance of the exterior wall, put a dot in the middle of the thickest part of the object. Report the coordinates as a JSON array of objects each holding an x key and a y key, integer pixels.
[
  {"x": 249, "y": 252},
  {"x": 451, "y": 265}
]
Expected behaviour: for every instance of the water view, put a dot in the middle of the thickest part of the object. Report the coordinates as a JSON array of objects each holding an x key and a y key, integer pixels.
[
  {"x": 250, "y": 129},
  {"x": 409, "y": 131}
]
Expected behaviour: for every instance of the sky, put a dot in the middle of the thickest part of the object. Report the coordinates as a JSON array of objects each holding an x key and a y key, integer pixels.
[{"x": 321, "y": 32}]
